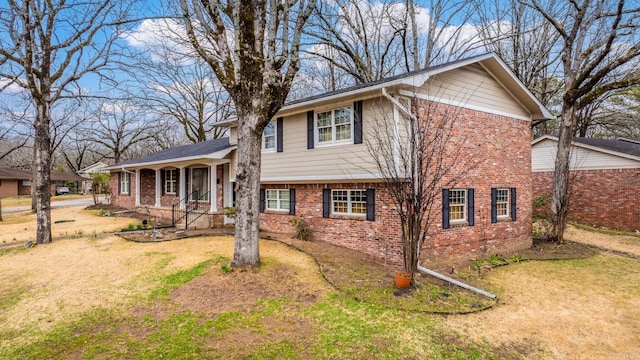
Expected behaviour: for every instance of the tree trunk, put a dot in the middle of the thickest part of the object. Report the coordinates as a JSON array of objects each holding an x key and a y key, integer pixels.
[
  {"x": 559, "y": 198},
  {"x": 42, "y": 176},
  {"x": 246, "y": 250}
]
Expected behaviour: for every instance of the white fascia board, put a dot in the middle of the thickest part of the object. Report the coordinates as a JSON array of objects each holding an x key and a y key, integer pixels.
[
  {"x": 324, "y": 178},
  {"x": 218, "y": 155}
]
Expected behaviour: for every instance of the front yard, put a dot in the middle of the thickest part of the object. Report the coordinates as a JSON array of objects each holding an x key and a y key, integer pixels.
[{"x": 105, "y": 297}]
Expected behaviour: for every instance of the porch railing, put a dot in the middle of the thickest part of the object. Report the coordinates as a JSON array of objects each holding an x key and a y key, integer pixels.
[{"x": 188, "y": 208}]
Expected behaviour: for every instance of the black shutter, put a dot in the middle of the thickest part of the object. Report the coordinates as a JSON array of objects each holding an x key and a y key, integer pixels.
[
  {"x": 162, "y": 177},
  {"x": 292, "y": 201},
  {"x": 177, "y": 182},
  {"x": 494, "y": 205},
  {"x": 279, "y": 134},
  {"x": 326, "y": 202},
  {"x": 357, "y": 122},
  {"x": 371, "y": 204},
  {"x": 445, "y": 208},
  {"x": 310, "y": 137},
  {"x": 513, "y": 204},
  {"x": 119, "y": 183},
  {"x": 262, "y": 200},
  {"x": 470, "y": 207}
]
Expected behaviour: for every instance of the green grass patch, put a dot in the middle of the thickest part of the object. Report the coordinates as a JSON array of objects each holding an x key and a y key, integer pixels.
[{"x": 174, "y": 280}]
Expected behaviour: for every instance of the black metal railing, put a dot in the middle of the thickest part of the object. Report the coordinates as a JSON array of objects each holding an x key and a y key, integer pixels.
[{"x": 189, "y": 208}]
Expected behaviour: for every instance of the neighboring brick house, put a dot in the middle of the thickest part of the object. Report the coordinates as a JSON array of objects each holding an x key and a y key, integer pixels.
[
  {"x": 316, "y": 163},
  {"x": 604, "y": 185},
  {"x": 17, "y": 182}
]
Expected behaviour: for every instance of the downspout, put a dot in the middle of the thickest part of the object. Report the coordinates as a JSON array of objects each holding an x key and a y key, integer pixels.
[
  {"x": 456, "y": 282},
  {"x": 398, "y": 105}
]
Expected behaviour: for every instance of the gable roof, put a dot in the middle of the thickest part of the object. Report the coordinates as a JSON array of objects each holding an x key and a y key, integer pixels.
[
  {"x": 203, "y": 149},
  {"x": 489, "y": 61},
  {"x": 626, "y": 148}
]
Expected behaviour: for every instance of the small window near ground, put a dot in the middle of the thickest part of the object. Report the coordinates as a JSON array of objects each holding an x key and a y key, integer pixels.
[
  {"x": 502, "y": 203},
  {"x": 458, "y": 206},
  {"x": 277, "y": 199},
  {"x": 349, "y": 202}
]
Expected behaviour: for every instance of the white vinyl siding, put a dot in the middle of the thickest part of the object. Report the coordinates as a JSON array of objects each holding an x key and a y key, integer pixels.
[
  {"x": 543, "y": 156},
  {"x": 277, "y": 199},
  {"x": 472, "y": 86},
  {"x": 348, "y": 160}
]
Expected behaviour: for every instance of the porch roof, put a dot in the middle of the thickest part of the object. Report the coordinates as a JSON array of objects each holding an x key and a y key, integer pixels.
[{"x": 210, "y": 149}]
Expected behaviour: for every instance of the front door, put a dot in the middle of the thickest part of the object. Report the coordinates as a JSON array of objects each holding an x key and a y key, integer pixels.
[{"x": 199, "y": 183}]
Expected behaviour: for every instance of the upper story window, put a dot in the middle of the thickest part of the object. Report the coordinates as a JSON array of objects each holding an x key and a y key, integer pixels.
[
  {"x": 125, "y": 182},
  {"x": 334, "y": 126},
  {"x": 502, "y": 203},
  {"x": 269, "y": 137},
  {"x": 170, "y": 181}
]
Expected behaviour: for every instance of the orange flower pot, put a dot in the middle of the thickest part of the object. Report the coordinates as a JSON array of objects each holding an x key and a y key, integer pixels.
[{"x": 402, "y": 279}]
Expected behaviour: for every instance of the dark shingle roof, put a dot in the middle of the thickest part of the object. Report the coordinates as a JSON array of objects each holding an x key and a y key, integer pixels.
[
  {"x": 18, "y": 174},
  {"x": 202, "y": 148},
  {"x": 619, "y": 145},
  {"x": 11, "y": 173}
]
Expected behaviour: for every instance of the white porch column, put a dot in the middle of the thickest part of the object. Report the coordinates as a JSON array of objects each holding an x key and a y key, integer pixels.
[
  {"x": 213, "y": 194},
  {"x": 183, "y": 186},
  {"x": 227, "y": 198},
  {"x": 137, "y": 187},
  {"x": 158, "y": 187}
]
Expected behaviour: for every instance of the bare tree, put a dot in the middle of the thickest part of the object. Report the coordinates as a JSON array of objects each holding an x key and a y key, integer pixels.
[
  {"x": 253, "y": 49},
  {"x": 118, "y": 127},
  {"x": 46, "y": 47},
  {"x": 599, "y": 48},
  {"x": 180, "y": 86}
]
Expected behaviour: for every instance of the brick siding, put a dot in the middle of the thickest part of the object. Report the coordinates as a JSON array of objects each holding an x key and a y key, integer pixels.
[{"x": 602, "y": 198}]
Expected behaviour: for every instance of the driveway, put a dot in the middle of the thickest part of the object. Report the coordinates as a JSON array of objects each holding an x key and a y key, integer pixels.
[{"x": 54, "y": 205}]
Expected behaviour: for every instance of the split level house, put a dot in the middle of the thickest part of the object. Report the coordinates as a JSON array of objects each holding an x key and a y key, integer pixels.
[
  {"x": 604, "y": 180},
  {"x": 317, "y": 164}
]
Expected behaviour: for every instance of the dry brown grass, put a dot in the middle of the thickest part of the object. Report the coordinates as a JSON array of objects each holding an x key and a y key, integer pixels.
[
  {"x": 575, "y": 309},
  {"x": 59, "y": 281},
  {"x": 628, "y": 244},
  {"x": 22, "y": 226}
]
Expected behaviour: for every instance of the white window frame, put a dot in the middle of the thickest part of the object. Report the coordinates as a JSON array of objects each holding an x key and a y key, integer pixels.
[
  {"x": 278, "y": 198},
  {"x": 333, "y": 140},
  {"x": 125, "y": 182},
  {"x": 464, "y": 205},
  {"x": 275, "y": 138},
  {"x": 349, "y": 201},
  {"x": 172, "y": 181},
  {"x": 507, "y": 203}
]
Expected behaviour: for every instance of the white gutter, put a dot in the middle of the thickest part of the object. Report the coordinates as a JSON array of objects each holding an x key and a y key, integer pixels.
[
  {"x": 126, "y": 171},
  {"x": 456, "y": 282}
]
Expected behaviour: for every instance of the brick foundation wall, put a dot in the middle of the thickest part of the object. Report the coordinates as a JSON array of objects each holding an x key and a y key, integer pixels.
[
  {"x": 379, "y": 238},
  {"x": 602, "y": 198}
]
